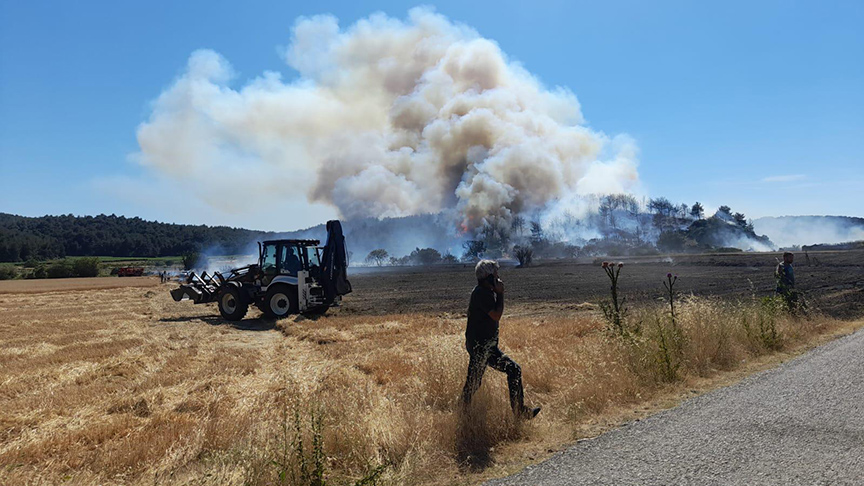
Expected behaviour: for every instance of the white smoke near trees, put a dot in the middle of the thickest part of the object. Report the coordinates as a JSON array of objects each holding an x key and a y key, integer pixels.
[
  {"x": 790, "y": 231},
  {"x": 387, "y": 118}
]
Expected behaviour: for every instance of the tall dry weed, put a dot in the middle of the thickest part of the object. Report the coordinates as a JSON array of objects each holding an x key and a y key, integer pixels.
[{"x": 714, "y": 341}]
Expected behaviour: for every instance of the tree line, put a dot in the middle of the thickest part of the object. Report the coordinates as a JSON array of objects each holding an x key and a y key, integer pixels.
[{"x": 51, "y": 237}]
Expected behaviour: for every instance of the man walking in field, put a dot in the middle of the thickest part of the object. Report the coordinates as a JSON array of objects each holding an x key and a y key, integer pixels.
[{"x": 481, "y": 339}]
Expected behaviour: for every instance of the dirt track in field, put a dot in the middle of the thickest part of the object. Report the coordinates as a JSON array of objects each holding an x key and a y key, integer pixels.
[{"x": 74, "y": 284}]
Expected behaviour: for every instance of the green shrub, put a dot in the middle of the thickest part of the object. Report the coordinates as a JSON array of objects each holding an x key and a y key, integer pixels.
[
  {"x": 39, "y": 272},
  {"x": 86, "y": 267},
  {"x": 61, "y": 269},
  {"x": 8, "y": 272},
  {"x": 190, "y": 260},
  {"x": 301, "y": 460},
  {"x": 760, "y": 325}
]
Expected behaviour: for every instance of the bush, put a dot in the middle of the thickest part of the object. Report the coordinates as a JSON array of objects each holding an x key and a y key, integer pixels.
[
  {"x": 190, "y": 260},
  {"x": 524, "y": 254},
  {"x": 61, "y": 269},
  {"x": 301, "y": 460},
  {"x": 39, "y": 272},
  {"x": 8, "y": 272},
  {"x": 760, "y": 325},
  {"x": 86, "y": 267},
  {"x": 425, "y": 256}
]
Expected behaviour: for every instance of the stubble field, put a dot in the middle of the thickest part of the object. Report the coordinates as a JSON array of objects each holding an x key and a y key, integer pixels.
[{"x": 125, "y": 386}]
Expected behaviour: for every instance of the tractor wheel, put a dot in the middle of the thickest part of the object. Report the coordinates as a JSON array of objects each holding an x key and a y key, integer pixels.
[
  {"x": 233, "y": 304},
  {"x": 280, "y": 301}
]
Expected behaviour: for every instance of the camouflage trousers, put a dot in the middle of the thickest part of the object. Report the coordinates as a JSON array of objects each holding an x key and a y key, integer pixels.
[{"x": 486, "y": 353}]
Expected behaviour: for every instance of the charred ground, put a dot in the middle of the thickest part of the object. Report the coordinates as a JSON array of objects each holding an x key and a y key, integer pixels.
[{"x": 833, "y": 282}]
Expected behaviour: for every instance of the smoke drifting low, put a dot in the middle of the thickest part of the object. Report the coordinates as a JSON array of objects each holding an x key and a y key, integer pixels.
[
  {"x": 811, "y": 230},
  {"x": 387, "y": 118}
]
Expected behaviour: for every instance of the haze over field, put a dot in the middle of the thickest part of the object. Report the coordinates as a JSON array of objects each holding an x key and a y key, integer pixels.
[{"x": 811, "y": 230}]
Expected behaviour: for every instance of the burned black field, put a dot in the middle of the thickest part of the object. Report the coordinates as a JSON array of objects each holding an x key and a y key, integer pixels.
[{"x": 833, "y": 283}]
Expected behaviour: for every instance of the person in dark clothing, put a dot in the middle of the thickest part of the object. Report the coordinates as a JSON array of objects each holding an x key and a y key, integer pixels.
[
  {"x": 481, "y": 339},
  {"x": 291, "y": 263},
  {"x": 785, "y": 274}
]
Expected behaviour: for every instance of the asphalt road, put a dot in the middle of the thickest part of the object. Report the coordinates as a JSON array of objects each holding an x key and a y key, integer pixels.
[{"x": 801, "y": 423}]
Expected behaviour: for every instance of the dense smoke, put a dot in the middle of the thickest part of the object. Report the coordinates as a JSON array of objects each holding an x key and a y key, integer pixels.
[
  {"x": 790, "y": 231},
  {"x": 387, "y": 118}
]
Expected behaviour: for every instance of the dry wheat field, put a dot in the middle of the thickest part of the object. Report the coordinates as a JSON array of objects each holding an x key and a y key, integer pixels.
[{"x": 125, "y": 386}]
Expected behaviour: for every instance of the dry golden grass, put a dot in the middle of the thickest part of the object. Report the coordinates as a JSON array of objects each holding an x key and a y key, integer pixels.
[{"x": 128, "y": 387}]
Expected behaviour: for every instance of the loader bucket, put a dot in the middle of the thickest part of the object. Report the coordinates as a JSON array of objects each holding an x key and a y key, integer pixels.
[
  {"x": 194, "y": 294},
  {"x": 177, "y": 294}
]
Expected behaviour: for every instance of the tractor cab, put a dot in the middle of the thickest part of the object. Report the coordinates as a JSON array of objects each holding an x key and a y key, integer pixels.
[{"x": 287, "y": 257}]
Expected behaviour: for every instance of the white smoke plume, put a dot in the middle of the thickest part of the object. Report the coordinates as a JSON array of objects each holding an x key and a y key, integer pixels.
[
  {"x": 790, "y": 231},
  {"x": 386, "y": 118}
]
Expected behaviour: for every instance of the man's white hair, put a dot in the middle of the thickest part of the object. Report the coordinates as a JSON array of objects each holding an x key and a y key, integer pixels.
[{"x": 485, "y": 268}]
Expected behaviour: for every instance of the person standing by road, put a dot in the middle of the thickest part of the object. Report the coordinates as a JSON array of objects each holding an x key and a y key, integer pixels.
[
  {"x": 785, "y": 276},
  {"x": 481, "y": 339}
]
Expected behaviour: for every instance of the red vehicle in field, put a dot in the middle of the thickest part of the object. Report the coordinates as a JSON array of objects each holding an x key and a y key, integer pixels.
[{"x": 130, "y": 272}]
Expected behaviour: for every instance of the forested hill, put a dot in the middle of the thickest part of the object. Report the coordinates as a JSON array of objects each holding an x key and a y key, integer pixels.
[{"x": 46, "y": 237}]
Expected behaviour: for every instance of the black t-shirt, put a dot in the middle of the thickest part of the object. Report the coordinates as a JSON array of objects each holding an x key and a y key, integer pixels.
[{"x": 481, "y": 327}]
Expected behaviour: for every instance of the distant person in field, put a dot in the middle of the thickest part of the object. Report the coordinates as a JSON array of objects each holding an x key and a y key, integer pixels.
[
  {"x": 481, "y": 339},
  {"x": 785, "y": 276}
]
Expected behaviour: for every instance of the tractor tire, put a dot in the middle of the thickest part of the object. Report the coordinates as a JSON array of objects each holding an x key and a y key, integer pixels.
[
  {"x": 233, "y": 304},
  {"x": 280, "y": 301}
]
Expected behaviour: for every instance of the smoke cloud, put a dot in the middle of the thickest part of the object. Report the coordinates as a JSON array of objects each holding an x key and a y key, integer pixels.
[
  {"x": 810, "y": 230},
  {"x": 387, "y": 118}
]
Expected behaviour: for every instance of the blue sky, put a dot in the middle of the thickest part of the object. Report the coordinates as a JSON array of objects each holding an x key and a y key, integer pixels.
[{"x": 756, "y": 105}]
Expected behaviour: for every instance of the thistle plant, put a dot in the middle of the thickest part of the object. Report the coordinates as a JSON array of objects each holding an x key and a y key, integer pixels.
[
  {"x": 669, "y": 283},
  {"x": 670, "y": 340},
  {"x": 296, "y": 465},
  {"x": 614, "y": 311}
]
